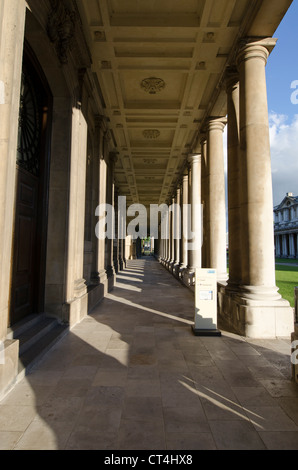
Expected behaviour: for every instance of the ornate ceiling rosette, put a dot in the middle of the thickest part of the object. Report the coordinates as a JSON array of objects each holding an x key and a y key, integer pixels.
[
  {"x": 151, "y": 134},
  {"x": 153, "y": 85}
]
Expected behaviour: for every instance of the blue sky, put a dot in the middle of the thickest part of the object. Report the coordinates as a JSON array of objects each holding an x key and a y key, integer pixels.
[
  {"x": 282, "y": 70},
  {"x": 282, "y": 67}
]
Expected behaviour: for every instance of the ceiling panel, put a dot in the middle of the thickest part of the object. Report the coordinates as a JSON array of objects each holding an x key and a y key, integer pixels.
[{"x": 159, "y": 66}]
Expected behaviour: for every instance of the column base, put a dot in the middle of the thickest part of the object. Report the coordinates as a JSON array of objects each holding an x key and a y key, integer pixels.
[
  {"x": 99, "y": 277},
  {"x": 176, "y": 269},
  {"x": 9, "y": 359},
  {"x": 171, "y": 266},
  {"x": 110, "y": 271},
  {"x": 200, "y": 332},
  {"x": 222, "y": 278},
  {"x": 116, "y": 266},
  {"x": 80, "y": 288},
  {"x": 167, "y": 263},
  {"x": 111, "y": 277},
  {"x": 75, "y": 310},
  {"x": 294, "y": 357},
  {"x": 121, "y": 264},
  {"x": 255, "y": 317},
  {"x": 182, "y": 269},
  {"x": 188, "y": 277}
]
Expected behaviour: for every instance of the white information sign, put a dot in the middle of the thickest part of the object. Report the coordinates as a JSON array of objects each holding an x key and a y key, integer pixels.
[{"x": 206, "y": 303}]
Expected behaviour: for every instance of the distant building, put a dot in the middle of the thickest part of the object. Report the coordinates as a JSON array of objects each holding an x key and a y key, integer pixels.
[{"x": 286, "y": 227}]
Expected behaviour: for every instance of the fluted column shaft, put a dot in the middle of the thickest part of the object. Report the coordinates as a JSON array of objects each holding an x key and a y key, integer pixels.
[
  {"x": 204, "y": 201},
  {"x": 216, "y": 198},
  {"x": 258, "y": 268},
  {"x": 173, "y": 216},
  {"x": 184, "y": 220},
  {"x": 234, "y": 197},
  {"x": 110, "y": 200},
  {"x": 194, "y": 253}
]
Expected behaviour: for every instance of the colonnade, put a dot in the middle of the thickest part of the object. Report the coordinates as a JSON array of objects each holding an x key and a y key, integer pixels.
[
  {"x": 248, "y": 296},
  {"x": 195, "y": 228},
  {"x": 286, "y": 245}
]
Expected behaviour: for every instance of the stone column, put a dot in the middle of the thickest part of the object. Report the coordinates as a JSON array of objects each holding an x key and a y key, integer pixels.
[
  {"x": 123, "y": 248},
  {"x": 277, "y": 247},
  {"x": 121, "y": 231},
  {"x": 184, "y": 234},
  {"x": 116, "y": 241},
  {"x": 164, "y": 241},
  {"x": 169, "y": 232},
  {"x": 292, "y": 245},
  {"x": 258, "y": 273},
  {"x": 217, "y": 198},
  {"x": 285, "y": 252},
  {"x": 195, "y": 239},
  {"x": 234, "y": 195},
  {"x": 12, "y": 23},
  {"x": 262, "y": 311},
  {"x": 102, "y": 201},
  {"x": 100, "y": 274},
  {"x": 110, "y": 200},
  {"x": 205, "y": 204},
  {"x": 120, "y": 226},
  {"x": 172, "y": 241},
  {"x": 177, "y": 231},
  {"x": 122, "y": 241},
  {"x": 75, "y": 284}
]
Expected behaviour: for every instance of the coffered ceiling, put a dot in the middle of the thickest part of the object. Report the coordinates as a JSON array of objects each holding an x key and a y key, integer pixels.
[{"x": 159, "y": 66}]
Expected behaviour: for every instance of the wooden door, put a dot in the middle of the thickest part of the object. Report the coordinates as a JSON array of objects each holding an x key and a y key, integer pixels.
[
  {"x": 31, "y": 199},
  {"x": 24, "y": 294}
]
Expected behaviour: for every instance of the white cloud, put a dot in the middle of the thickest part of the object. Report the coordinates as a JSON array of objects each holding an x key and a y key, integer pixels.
[{"x": 284, "y": 155}]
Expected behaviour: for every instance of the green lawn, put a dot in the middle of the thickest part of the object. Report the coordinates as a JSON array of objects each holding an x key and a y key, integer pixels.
[
  {"x": 286, "y": 261},
  {"x": 287, "y": 280}
]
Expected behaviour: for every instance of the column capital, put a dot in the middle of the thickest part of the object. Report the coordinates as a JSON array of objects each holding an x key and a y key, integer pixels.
[
  {"x": 100, "y": 121},
  {"x": 203, "y": 137},
  {"x": 231, "y": 78},
  {"x": 113, "y": 157},
  {"x": 217, "y": 124},
  {"x": 194, "y": 158},
  {"x": 185, "y": 174},
  {"x": 254, "y": 48}
]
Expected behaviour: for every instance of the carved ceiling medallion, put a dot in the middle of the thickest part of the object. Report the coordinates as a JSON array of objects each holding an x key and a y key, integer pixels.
[
  {"x": 153, "y": 85},
  {"x": 151, "y": 134}
]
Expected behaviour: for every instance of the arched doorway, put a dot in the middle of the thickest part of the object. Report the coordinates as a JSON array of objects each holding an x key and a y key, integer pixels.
[{"x": 31, "y": 198}]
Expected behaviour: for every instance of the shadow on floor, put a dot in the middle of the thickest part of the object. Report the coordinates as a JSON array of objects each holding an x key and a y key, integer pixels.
[{"x": 132, "y": 376}]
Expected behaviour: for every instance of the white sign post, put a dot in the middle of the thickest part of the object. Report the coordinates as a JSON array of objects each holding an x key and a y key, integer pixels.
[{"x": 206, "y": 303}]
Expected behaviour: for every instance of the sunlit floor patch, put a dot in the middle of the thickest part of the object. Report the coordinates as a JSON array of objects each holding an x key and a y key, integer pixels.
[{"x": 146, "y": 309}]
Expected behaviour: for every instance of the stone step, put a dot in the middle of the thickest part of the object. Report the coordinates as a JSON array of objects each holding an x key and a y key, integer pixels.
[
  {"x": 22, "y": 326},
  {"x": 39, "y": 349},
  {"x": 37, "y": 335}
]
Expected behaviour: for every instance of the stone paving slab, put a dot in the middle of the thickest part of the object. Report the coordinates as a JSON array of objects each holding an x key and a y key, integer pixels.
[{"x": 132, "y": 376}]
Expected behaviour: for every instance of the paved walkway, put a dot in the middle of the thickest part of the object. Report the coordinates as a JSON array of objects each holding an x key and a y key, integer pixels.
[{"x": 132, "y": 376}]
